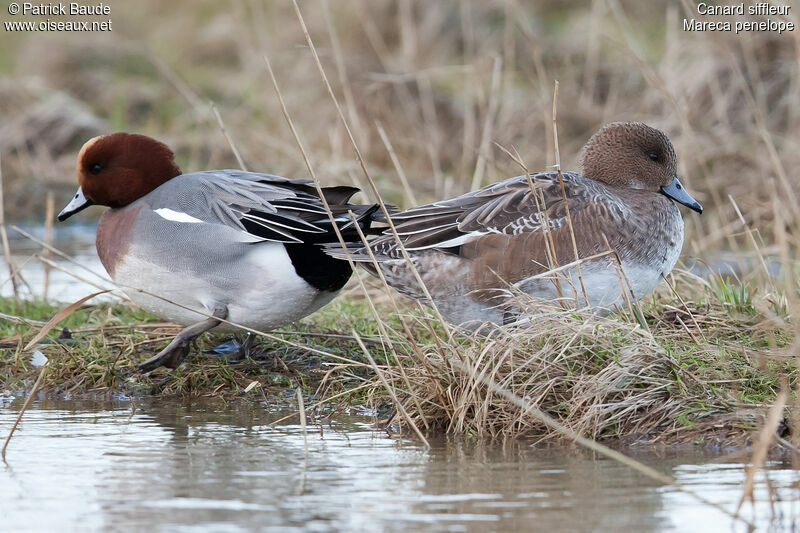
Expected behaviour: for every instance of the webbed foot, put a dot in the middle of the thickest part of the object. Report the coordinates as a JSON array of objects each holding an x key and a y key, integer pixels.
[{"x": 177, "y": 350}]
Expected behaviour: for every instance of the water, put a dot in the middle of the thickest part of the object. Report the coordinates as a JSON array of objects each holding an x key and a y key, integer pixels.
[
  {"x": 77, "y": 241},
  {"x": 78, "y": 466}
]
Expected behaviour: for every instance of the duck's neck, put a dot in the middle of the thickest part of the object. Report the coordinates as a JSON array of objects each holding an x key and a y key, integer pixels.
[{"x": 114, "y": 236}]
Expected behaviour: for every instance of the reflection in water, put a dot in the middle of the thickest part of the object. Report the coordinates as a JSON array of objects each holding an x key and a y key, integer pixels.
[{"x": 173, "y": 467}]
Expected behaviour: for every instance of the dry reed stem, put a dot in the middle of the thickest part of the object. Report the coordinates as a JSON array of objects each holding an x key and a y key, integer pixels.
[
  {"x": 765, "y": 438},
  {"x": 626, "y": 289},
  {"x": 344, "y": 80},
  {"x": 430, "y": 123},
  {"x": 408, "y": 34},
  {"x": 4, "y": 236},
  {"x": 58, "y": 317},
  {"x": 564, "y": 194},
  {"x": 396, "y": 162},
  {"x": 550, "y": 245},
  {"x": 302, "y": 409},
  {"x": 180, "y": 86},
  {"x": 390, "y": 390},
  {"x": 780, "y": 170},
  {"x": 53, "y": 264},
  {"x": 21, "y": 320},
  {"x": 486, "y": 134},
  {"x": 541, "y": 212},
  {"x": 25, "y": 405},
  {"x": 686, "y": 308},
  {"x": 590, "y": 444},
  {"x": 627, "y": 286},
  {"x": 782, "y": 241},
  {"x": 381, "y": 325},
  {"x": 753, "y": 241},
  {"x": 48, "y": 238},
  {"x": 307, "y": 161},
  {"x": 324, "y": 201},
  {"x": 375, "y": 38},
  {"x": 224, "y": 130},
  {"x": 17, "y": 272},
  {"x": 59, "y": 253},
  {"x": 362, "y": 163}
]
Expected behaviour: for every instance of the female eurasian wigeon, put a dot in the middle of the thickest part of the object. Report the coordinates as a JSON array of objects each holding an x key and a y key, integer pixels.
[
  {"x": 473, "y": 252},
  {"x": 241, "y": 246}
]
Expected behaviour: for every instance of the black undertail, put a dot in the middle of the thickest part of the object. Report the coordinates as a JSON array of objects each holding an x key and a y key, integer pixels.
[{"x": 317, "y": 268}]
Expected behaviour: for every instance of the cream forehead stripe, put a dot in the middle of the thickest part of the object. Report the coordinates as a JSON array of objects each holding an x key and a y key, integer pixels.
[
  {"x": 177, "y": 216},
  {"x": 88, "y": 144}
]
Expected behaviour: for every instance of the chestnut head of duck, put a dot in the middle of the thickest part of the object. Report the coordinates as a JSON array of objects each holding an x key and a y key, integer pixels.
[{"x": 115, "y": 170}]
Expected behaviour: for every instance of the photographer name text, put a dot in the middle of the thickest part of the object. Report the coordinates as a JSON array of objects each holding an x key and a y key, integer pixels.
[{"x": 54, "y": 10}]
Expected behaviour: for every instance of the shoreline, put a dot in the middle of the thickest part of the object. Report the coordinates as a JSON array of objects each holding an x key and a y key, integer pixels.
[{"x": 608, "y": 379}]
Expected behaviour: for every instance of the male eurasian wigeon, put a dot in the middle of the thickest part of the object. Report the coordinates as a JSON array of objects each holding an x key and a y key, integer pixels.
[
  {"x": 474, "y": 252},
  {"x": 241, "y": 246}
]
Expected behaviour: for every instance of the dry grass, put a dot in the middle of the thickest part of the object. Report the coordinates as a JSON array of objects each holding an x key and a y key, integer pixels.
[
  {"x": 703, "y": 373},
  {"x": 599, "y": 377},
  {"x": 427, "y": 90}
]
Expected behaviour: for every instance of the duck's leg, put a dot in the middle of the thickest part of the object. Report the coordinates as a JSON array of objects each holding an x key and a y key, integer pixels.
[{"x": 178, "y": 349}]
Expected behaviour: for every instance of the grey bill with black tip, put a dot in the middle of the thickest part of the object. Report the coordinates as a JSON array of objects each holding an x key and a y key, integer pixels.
[
  {"x": 676, "y": 191},
  {"x": 78, "y": 203}
]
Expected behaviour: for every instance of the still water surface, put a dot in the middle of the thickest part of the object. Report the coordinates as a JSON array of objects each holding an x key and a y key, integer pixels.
[
  {"x": 73, "y": 281},
  {"x": 88, "y": 466}
]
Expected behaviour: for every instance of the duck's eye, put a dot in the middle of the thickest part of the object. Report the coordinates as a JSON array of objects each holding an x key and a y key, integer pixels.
[
  {"x": 653, "y": 156},
  {"x": 95, "y": 169}
]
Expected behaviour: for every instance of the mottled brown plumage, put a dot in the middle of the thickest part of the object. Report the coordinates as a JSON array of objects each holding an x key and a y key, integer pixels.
[{"x": 471, "y": 249}]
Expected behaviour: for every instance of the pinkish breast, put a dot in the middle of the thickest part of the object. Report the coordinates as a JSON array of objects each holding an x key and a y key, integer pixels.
[{"x": 114, "y": 235}]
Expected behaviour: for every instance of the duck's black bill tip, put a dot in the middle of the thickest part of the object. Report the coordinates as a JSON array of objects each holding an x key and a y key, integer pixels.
[
  {"x": 78, "y": 203},
  {"x": 676, "y": 192}
]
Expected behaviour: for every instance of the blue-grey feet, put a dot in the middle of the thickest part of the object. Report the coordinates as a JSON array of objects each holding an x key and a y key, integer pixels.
[
  {"x": 233, "y": 350},
  {"x": 177, "y": 350}
]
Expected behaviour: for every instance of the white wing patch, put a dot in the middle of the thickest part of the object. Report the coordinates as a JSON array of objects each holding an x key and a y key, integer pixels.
[
  {"x": 455, "y": 241},
  {"x": 177, "y": 216}
]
